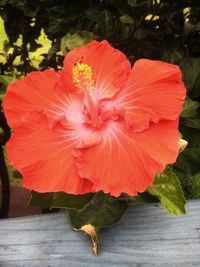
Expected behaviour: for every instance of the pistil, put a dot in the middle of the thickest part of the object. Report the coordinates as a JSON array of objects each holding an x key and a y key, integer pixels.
[{"x": 83, "y": 80}]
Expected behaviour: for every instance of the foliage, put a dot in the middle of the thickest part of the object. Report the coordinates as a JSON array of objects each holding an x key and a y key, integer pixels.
[
  {"x": 196, "y": 186},
  {"x": 168, "y": 189},
  {"x": 150, "y": 29},
  {"x": 59, "y": 200}
]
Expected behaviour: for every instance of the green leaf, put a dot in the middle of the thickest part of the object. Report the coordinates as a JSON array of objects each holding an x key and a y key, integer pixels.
[
  {"x": 184, "y": 170},
  {"x": 168, "y": 189},
  {"x": 190, "y": 115},
  {"x": 141, "y": 199},
  {"x": 190, "y": 108},
  {"x": 59, "y": 200},
  {"x": 188, "y": 162},
  {"x": 139, "y": 7},
  {"x": 191, "y": 135},
  {"x": 126, "y": 19},
  {"x": 191, "y": 75},
  {"x": 102, "y": 211},
  {"x": 93, "y": 13},
  {"x": 193, "y": 155},
  {"x": 196, "y": 186},
  {"x": 6, "y": 80},
  {"x": 191, "y": 122},
  {"x": 106, "y": 23},
  {"x": 135, "y": 200},
  {"x": 71, "y": 41},
  {"x": 172, "y": 56}
]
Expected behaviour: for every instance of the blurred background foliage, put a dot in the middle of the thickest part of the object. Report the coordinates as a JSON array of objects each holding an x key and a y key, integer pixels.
[{"x": 36, "y": 35}]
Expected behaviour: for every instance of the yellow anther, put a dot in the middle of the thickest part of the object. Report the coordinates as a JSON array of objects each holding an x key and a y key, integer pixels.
[{"x": 83, "y": 78}]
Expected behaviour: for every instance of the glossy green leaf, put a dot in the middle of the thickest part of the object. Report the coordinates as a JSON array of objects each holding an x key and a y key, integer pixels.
[
  {"x": 139, "y": 7},
  {"x": 190, "y": 108},
  {"x": 141, "y": 199},
  {"x": 135, "y": 200},
  {"x": 172, "y": 56},
  {"x": 127, "y": 19},
  {"x": 184, "y": 170},
  {"x": 106, "y": 23},
  {"x": 196, "y": 186},
  {"x": 93, "y": 13},
  {"x": 191, "y": 122},
  {"x": 190, "y": 115},
  {"x": 192, "y": 152},
  {"x": 191, "y": 75},
  {"x": 191, "y": 135},
  {"x": 71, "y": 41},
  {"x": 188, "y": 162},
  {"x": 102, "y": 211},
  {"x": 193, "y": 155},
  {"x": 167, "y": 188},
  {"x": 59, "y": 200},
  {"x": 6, "y": 80}
]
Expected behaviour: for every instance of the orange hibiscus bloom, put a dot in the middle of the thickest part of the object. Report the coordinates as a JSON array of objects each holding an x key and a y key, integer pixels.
[{"x": 95, "y": 125}]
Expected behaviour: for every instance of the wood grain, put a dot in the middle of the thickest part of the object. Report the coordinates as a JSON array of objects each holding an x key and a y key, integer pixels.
[{"x": 146, "y": 236}]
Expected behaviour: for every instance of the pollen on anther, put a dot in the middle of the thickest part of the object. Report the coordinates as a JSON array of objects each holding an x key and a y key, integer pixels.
[{"x": 83, "y": 77}]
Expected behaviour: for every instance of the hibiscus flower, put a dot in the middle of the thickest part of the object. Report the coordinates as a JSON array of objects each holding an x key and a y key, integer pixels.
[{"x": 96, "y": 125}]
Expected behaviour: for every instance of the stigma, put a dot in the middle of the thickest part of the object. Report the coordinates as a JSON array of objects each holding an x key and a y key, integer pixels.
[{"x": 83, "y": 78}]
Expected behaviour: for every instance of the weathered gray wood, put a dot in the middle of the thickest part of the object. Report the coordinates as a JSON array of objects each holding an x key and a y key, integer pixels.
[{"x": 146, "y": 236}]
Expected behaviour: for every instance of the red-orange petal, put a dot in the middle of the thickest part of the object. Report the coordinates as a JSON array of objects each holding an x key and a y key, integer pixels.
[
  {"x": 44, "y": 156},
  {"x": 37, "y": 91},
  {"x": 154, "y": 91},
  {"x": 110, "y": 67},
  {"x": 125, "y": 162}
]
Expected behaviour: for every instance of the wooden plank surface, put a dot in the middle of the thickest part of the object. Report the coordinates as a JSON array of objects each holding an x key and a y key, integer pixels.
[{"x": 146, "y": 236}]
